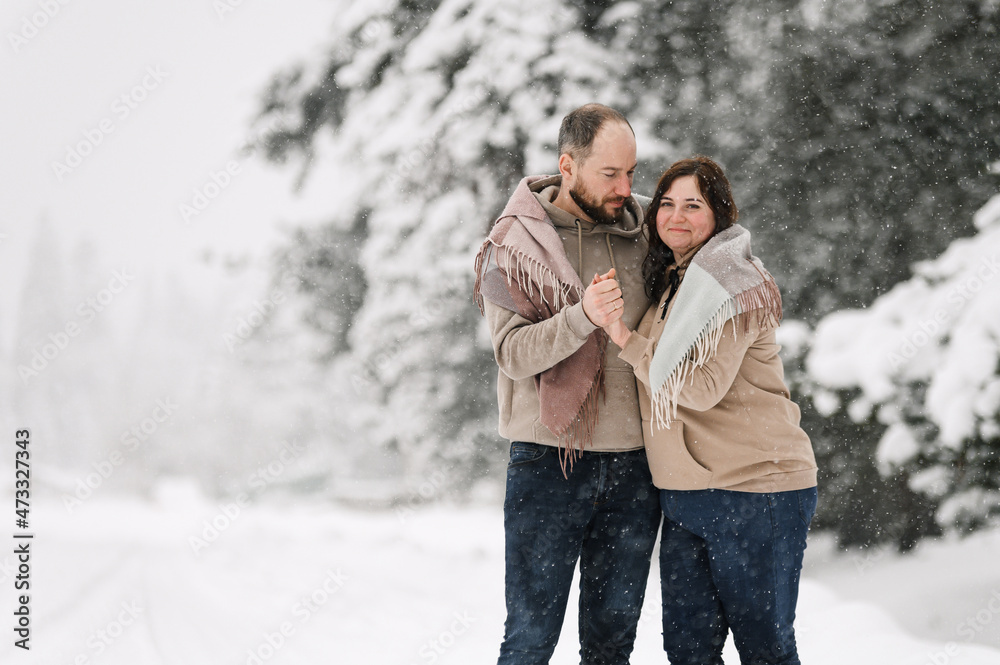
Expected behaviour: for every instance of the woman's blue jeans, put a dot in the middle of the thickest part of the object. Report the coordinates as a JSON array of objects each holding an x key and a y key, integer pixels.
[
  {"x": 606, "y": 515},
  {"x": 731, "y": 561}
]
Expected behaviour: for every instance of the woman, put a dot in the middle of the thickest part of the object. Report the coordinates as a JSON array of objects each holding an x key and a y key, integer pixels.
[{"x": 736, "y": 473}]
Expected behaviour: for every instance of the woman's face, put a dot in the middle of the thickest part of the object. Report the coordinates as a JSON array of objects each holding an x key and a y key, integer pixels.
[{"x": 684, "y": 219}]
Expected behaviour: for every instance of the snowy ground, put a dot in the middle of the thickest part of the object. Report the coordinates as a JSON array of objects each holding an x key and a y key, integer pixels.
[{"x": 119, "y": 582}]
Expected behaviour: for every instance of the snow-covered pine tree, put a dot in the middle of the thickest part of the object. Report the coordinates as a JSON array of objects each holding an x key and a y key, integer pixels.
[
  {"x": 429, "y": 114},
  {"x": 889, "y": 119},
  {"x": 924, "y": 362},
  {"x": 887, "y": 113}
]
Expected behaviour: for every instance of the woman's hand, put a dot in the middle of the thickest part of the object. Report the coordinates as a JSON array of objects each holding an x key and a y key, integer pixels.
[{"x": 618, "y": 332}]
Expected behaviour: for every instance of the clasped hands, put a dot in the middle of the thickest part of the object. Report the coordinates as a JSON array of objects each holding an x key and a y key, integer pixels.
[{"x": 604, "y": 306}]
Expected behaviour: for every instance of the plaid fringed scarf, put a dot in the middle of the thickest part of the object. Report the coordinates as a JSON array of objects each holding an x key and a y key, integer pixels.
[
  {"x": 722, "y": 281},
  {"x": 522, "y": 266}
]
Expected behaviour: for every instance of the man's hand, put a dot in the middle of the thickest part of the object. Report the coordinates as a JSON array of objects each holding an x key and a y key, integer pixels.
[
  {"x": 602, "y": 301},
  {"x": 615, "y": 327}
]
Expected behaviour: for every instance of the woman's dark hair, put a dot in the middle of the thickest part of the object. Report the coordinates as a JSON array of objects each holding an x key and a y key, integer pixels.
[{"x": 713, "y": 185}]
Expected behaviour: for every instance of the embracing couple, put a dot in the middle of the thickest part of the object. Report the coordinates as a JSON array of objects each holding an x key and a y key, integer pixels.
[{"x": 640, "y": 385}]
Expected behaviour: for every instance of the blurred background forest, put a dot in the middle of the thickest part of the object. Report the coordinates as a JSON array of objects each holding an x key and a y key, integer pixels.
[{"x": 862, "y": 138}]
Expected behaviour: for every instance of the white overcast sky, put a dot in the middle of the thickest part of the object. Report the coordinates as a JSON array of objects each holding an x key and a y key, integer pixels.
[{"x": 62, "y": 82}]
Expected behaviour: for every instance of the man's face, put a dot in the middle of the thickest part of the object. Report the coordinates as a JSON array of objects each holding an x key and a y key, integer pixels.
[{"x": 603, "y": 181}]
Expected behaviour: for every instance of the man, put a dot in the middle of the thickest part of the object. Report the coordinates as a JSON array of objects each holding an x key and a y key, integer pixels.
[{"x": 578, "y": 485}]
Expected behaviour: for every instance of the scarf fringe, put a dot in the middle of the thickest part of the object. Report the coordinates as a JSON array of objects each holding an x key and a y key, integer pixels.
[
  {"x": 764, "y": 300},
  {"x": 573, "y": 439},
  {"x": 527, "y": 271},
  {"x": 531, "y": 275}
]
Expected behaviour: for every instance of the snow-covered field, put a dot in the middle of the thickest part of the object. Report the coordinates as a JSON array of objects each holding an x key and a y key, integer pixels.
[{"x": 185, "y": 580}]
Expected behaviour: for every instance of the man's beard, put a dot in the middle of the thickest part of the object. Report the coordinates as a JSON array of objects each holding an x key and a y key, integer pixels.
[{"x": 595, "y": 209}]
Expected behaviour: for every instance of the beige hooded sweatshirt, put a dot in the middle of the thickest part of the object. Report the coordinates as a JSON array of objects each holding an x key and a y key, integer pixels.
[{"x": 523, "y": 349}]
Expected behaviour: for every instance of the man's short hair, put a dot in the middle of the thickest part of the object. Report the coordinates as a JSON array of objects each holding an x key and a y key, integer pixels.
[{"x": 579, "y": 129}]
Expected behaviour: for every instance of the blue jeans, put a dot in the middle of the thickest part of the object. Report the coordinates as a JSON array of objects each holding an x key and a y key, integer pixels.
[
  {"x": 606, "y": 514},
  {"x": 731, "y": 561}
]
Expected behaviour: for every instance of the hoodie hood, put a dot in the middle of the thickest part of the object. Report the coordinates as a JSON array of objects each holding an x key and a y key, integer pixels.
[{"x": 546, "y": 188}]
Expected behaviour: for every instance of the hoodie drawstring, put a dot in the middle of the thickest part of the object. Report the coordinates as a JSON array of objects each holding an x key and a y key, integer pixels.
[{"x": 579, "y": 250}]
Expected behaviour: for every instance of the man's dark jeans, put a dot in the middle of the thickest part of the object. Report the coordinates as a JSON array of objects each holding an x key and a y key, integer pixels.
[
  {"x": 606, "y": 514},
  {"x": 731, "y": 561}
]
